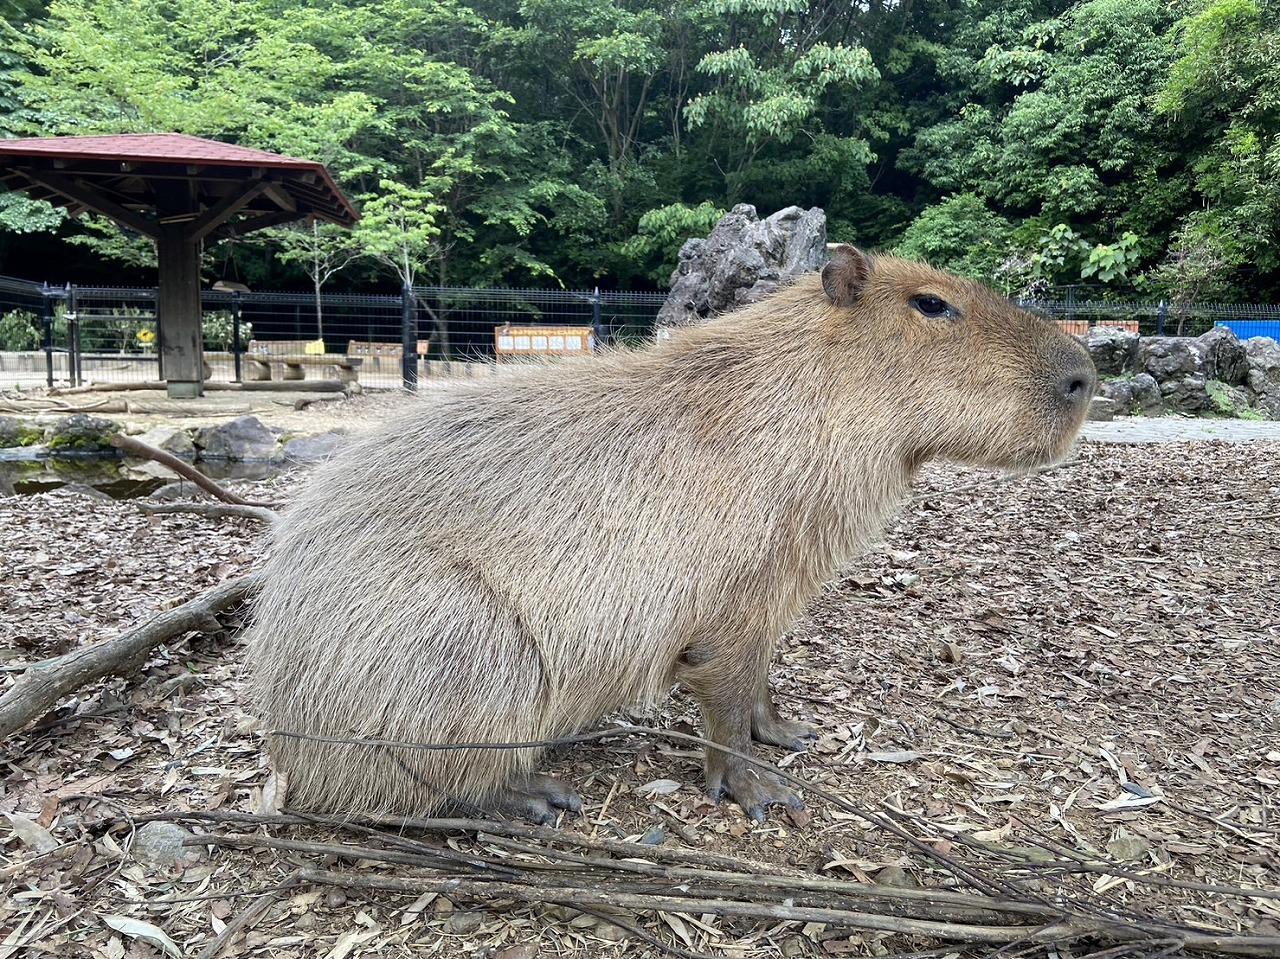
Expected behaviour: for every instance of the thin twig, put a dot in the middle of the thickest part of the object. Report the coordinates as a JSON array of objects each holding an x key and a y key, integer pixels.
[{"x": 250, "y": 914}]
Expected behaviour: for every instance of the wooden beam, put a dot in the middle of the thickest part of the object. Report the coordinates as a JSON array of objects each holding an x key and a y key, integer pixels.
[
  {"x": 216, "y": 215},
  {"x": 87, "y": 198},
  {"x": 281, "y": 197},
  {"x": 262, "y": 222}
]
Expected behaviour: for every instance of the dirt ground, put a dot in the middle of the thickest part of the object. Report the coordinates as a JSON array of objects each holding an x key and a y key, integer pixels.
[{"x": 1067, "y": 685}]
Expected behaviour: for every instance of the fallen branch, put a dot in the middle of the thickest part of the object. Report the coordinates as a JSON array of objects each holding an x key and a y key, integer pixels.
[
  {"x": 141, "y": 450},
  {"x": 45, "y": 682},
  {"x": 1067, "y": 929},
  {"x": 214, "y": 510}
]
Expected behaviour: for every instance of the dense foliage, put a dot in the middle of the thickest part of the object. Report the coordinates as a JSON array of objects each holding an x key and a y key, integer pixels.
[{"x": 1116, "y": 143}]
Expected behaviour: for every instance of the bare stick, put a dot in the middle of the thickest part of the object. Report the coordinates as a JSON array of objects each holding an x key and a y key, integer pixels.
[
  {"x": 214, "y": 510},
  {"x": 141, "y": 450},
  {"x": 43, "y": 683},
  {"x": 1066, "y": 930}
]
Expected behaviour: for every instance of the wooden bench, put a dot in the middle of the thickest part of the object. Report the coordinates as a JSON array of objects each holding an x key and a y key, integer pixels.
[
  {"x": 519, "y": 341},
  {"x": 291, "y": 355}
]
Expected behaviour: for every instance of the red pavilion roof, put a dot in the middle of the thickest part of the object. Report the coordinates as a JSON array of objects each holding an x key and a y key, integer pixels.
[{"x": 129, "y": 176}]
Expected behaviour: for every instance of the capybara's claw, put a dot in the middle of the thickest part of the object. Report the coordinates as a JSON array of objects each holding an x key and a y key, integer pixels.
[
  {"x": 754, "y": 790},
  {"x": 785, "y": 733}
]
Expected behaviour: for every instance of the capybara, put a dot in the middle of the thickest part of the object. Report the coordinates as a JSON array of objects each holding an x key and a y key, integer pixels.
[{"x": 509, "y": 562}]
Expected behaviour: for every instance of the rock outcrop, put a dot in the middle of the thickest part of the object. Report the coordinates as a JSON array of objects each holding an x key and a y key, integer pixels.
[{"x": 743, "y": 260}]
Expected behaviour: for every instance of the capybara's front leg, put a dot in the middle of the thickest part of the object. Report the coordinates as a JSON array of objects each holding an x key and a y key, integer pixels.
[
  {"x": 725, "y": 688},
  {"x": 768, "y": 727}
]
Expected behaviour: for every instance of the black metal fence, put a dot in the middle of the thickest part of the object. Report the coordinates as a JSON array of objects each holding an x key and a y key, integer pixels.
[
  {"x": 1161, "y": 318},
  {"x": 78, "y": 334}
]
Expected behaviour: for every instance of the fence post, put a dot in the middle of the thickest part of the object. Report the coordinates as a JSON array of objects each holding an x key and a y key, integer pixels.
[
  {"x": 74, "y": 368},
  {"x": 595, "y": 316},
  {"x": 46, "y": 323},
  {"x": 409, "y": 339},
  {"x": 1162, "y": 311},
  {"x": 235, "y": 334}
]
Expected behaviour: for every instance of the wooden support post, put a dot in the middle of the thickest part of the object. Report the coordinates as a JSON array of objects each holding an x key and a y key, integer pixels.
[{"x": 181, "y": 344}]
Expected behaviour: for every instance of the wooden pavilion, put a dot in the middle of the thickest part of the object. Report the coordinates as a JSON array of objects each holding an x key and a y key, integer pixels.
[{"x": 179, "y": 190}]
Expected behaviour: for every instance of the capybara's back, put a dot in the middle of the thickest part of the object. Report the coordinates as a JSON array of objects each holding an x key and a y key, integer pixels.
[{"x": 509, "y": 562}]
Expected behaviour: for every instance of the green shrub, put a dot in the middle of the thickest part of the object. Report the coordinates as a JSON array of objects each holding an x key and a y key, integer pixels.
[
  {"x": 218, "y": 331},
  {"x": 19, "y": 331}
]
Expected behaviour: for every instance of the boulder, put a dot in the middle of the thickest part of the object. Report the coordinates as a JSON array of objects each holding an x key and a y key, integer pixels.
[
  {"x": 312, "y": 449},
  {"x": 1102, "y": 409},
  {"x": 243, "y": 439},
  {"x": 743, "y": 260},
  {"x": 83, "y": 435},
  {"x": 1187, "y": 394},
  {"x": 1225, "y": 357},
  {"x": 1170, "y": 357},
  {"x": 1262, "y": 378},
  {"x": 1146, "y": 394},
  {"x": 1178, "y": 365},
  {"x": 1114, "y": 351},
  {"x": 1119, "y": 392},
  {"x": 171, "y": 439},
  {"x": 15, "y": 433}
]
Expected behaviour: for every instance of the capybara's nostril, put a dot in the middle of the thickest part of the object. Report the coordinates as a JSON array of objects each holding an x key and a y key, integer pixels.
[{"x": 1077, "y": 387}]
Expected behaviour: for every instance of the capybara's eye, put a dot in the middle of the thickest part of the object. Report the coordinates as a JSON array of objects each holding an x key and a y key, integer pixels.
[{"x": 930, "y": 305}]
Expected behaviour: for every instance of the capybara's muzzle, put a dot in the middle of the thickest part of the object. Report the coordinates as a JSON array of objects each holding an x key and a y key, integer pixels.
[{"x": 1077, "y": 379}]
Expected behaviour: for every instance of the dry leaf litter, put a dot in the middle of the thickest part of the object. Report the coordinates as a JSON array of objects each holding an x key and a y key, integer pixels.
[{"x": 1068, "y": 684}]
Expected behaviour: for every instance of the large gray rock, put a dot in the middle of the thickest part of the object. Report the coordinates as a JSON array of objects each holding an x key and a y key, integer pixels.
[
  {"x": 1146, "y": 394},
  {"x": 243, "y": 439},
  {"x": 1119, "y": 392},
  {"x": 1224, "y": 355},
  {"x": 309, "y": 450},
  {"x": 1186, "y": 394},
  {"x": 82, "y": 434},
  {"x": 16, "y": 433},
  {"x": 171, "y": 439},
  {"x": 1114, "y": 351},
  {"x": 1178, "y": 366},
  {"x": 1262, "y": 378},
  {"x": 743, "y": 260},
  {"x": 1133, "y": 394},
  {"x": 1170, "y": 357}
]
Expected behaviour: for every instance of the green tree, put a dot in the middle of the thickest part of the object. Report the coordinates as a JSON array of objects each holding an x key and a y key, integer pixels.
[
  {"x": 959, "y": 234},
  {"x": 322, "y": 250},
  {"x": 1223, "y": 93}
]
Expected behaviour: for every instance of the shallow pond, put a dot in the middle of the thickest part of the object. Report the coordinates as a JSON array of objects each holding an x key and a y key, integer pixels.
[{"x": 116, "y": 476}]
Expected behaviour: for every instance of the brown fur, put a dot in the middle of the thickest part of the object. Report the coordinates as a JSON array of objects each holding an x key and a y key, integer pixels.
[{"x": 512, "y": 561}]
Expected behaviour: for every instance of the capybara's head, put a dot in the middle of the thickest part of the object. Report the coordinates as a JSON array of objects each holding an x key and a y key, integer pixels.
[{"x": 973, "y": 378}]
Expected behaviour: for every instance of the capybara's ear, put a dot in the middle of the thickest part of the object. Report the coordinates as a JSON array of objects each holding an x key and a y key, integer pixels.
[{"x": 844, "y": 277}]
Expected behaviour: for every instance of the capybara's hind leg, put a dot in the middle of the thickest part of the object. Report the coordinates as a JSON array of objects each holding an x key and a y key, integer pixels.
[
  {"x": 537, "y": 799},
  {"x": 726, "y": 688},
  {"x": 768, "y": 727}
]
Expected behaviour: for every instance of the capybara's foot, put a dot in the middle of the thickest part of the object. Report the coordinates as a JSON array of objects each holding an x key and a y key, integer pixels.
[
  {"x": 539, "y": 799},
  {"x": 787, "y": 733},
  {"x": 752, "y": 788}
]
